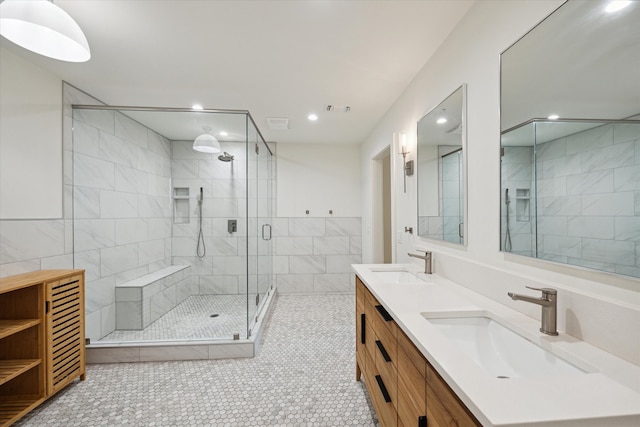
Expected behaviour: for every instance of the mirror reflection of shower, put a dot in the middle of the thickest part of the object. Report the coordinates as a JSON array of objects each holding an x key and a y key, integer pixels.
[
  {"x": 201, "y": 249},
  {"x": 225, "y": 157},
  {"x": 507, "y": 235}
]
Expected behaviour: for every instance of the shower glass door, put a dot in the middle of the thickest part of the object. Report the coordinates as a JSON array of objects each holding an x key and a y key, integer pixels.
[
  {"x": 259, "y": 220},
  {"x": 452, "y": 197}
]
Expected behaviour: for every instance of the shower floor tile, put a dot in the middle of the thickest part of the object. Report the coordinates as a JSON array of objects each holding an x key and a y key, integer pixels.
[
  {"x": 192, "y": 319},
  {"x": 303, "y": 375}
]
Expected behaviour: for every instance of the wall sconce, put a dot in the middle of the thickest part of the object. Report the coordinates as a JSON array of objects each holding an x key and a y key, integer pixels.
[{"x": 407, "y": 167}]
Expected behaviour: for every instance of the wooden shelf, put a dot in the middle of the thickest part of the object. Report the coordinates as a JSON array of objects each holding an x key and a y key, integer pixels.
[
  {"x": 10, "y": 327},
  {"x": 12, "y": 410},
  {"x": 9, "y": 369},
  {"x": 41, "y": 338}
]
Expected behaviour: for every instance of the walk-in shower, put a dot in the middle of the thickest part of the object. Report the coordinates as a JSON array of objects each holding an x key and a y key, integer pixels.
[
  {"x": 152, "y": 224},
  {"x": 568, "y": 189}
]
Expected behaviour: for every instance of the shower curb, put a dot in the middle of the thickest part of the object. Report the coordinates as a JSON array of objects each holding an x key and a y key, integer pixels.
[{"x": 173, "y": 350}]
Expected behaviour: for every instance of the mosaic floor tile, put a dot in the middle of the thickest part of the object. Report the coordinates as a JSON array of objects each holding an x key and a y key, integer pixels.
[
  {"x": 192, "y": 319},
  {"x": 303, "y": 376}
]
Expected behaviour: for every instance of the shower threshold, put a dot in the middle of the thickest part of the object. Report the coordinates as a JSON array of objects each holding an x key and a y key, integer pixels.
[{"x": 162, "y": 342}]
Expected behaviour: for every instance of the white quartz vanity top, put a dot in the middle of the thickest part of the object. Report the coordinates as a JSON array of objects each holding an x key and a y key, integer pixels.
[{"x": 608, "y": 395}]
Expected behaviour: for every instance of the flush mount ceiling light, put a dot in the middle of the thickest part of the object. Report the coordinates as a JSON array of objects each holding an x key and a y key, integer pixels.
[
  {"x": 312, "y": 117},
  {"x": 617, "y": 5},
  {"x": 42, "y": 27},
  {"x": 553, "y": 117},
  {"x": 441, "y": 120},
  {"x": 197, "y": 107},
  {"x": 206, "y": 143}
]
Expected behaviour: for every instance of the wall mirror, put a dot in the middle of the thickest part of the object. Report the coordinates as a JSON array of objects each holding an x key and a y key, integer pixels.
[
  {"x": 570, "y": 139},
  {"x": 442, "y": 170}
]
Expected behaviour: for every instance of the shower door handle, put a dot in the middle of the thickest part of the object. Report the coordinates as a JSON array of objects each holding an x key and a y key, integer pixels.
[
  {"x": 264, "y": 227},
  {"x": 461, "y": 230}
]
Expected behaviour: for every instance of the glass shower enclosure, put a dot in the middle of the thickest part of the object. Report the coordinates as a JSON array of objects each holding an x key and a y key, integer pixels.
[
  {"x": 176, "y": 243},
  {"x": 567, "y": 192}
]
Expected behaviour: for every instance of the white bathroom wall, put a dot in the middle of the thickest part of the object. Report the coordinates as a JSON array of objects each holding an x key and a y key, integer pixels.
[
  {"x": 601, "y": 309},
  {"x": 32, "y": 98},
  {"x": 30, "y": 140},
  {"x": 318, "y": 178},
  {"x": 314, "y": 252}
]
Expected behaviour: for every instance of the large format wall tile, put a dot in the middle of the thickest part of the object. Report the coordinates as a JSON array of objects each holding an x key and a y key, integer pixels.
[
  {"x": 91, "y": 172},
  {"x": 25, "y": 240}
]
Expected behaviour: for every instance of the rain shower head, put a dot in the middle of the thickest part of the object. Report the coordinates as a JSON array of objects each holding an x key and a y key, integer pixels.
[{"x": 225, "y": 157}]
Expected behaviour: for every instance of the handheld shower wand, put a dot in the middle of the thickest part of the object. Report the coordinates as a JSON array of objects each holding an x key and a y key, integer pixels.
[
  {"x": 201, "y": 249},
  {"x": 507, "y": 235}
]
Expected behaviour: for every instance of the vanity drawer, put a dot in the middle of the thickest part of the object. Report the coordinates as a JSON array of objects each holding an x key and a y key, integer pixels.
[
  {"x": 387, "y": 414},
  {"x": 370, "y": 337},
  {"x": 443, "y": 404},
  {"x": 411, "y": 354},
  {"x": 389, "y": 374},
  {"x": 386, "y": 342},
  {"x": 411, "y": 390}
]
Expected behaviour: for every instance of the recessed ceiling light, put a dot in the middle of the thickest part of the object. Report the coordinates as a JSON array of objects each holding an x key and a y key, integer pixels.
[
  {"x": 441, "y": 120},
  {"x": 223, "y": 133},
  {"x": 312, "y": 117},
  {"x": 617, "y": 5},
  {"x": 553, "y": 117},
  {"x": 197, "y": 107}
]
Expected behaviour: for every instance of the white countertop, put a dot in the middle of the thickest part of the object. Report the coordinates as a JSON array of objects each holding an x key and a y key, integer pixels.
[{"x": 609, "y": 395}]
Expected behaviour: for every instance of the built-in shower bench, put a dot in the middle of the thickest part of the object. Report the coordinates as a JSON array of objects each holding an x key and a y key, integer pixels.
[{"x": 141, "y": 301}]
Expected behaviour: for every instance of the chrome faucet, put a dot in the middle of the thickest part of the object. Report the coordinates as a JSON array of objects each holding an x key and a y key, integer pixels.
[
  {"x": 427, "y": 257},
  {"x": 549, "y": 305}
]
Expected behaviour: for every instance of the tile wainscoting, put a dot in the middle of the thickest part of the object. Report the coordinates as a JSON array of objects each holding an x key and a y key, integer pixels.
[{"x": 314, "y": 255}]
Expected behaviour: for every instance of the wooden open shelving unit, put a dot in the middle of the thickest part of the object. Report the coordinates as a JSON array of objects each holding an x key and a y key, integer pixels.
[{"x": 41, "y": 338}]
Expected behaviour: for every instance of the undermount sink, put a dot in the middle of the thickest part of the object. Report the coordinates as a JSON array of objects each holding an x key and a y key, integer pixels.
[{"x": 500, "y": 351}]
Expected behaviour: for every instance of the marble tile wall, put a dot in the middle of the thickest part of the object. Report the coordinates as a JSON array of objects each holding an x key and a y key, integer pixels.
[
  {"x": 517, "y": 177},
  {"x": 222, "y": 270},
  {"x": 231, "y": 190},
  {"x": 314, "y": 255},
  {"x": 122, "y": 211},
  {"x": 450, "y": 196},
  {"x": 144, "y": 300},
  {"x": 588, "y": 190},
  {"x": 446, "y": 226}
]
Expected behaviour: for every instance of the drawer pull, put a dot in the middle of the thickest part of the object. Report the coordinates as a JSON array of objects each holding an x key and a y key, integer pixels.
[
  {"x": 383, "y": 389},
  {"x": 422, "y": 421},
  {"x": 384, "y": 313},
  {"x": 363, "y": 329},
  {"x": 383, "y": 351}
]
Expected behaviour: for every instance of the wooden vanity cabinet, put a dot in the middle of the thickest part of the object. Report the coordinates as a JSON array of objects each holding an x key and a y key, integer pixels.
[
  {"x": 41, "y": 338},
  {"x": 415, "y": 395},
  {"x": 379, "y": 353}
]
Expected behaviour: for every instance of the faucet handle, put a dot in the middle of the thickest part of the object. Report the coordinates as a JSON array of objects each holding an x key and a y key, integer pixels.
[{"x": 545, "y": 291}]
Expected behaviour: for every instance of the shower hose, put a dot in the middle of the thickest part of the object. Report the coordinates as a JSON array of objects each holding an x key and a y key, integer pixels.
[
  {"x": 507, "y": 235},
  {"x": 201, "y": 249}
]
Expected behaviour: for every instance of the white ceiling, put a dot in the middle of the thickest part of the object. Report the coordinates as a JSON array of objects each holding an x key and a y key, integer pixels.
[{"x": 273, "y": 58}]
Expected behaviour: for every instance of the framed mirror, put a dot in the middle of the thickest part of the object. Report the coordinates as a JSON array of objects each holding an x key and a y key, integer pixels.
[
  {"x": 442, "y": 171},
  {"x": 570, "y": 138}
]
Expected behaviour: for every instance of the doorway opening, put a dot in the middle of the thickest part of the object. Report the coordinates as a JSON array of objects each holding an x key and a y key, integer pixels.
[{"x": 382, "y": 221}]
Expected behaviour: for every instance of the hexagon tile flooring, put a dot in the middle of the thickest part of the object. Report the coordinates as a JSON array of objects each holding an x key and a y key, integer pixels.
[{"x": 303, "y": 375}]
